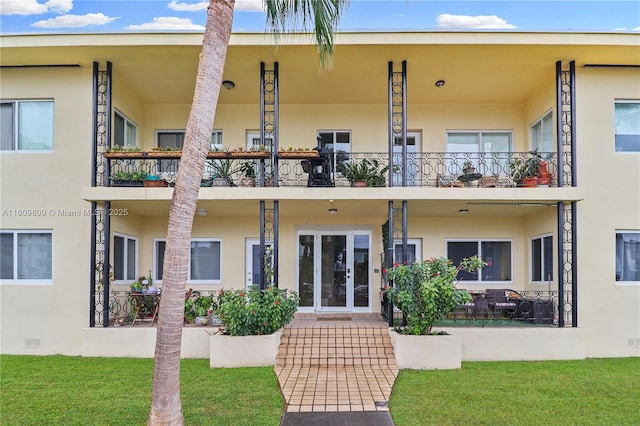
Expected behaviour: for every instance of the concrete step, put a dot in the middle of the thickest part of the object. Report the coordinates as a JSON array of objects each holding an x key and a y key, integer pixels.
[{"x": 335, "y": 345}]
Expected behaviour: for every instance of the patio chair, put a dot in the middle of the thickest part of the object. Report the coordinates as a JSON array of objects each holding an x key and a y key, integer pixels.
[{"x": 503, "y": 300}]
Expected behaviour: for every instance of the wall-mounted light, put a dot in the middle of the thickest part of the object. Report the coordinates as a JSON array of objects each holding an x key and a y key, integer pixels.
[
  {"x": 201, "y": 212},
  {"x": 332, "y": 210},
  {"x": 463, "y": 211},
  {"x": 439, "y": 83},
  {"x": 228, "y": 84}
]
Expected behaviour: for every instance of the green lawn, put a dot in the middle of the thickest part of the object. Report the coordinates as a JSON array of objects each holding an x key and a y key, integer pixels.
[
  {"x": 60, "y": 390},
  {"x": 589, "y": 392}
]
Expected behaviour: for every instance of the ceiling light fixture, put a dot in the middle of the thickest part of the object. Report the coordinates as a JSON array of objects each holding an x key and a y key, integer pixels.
[
  {"x": 201, "y": 212},
  {"x": 228, "y": 84},
  {"x": 332, "y": 210},
  {"x": 463, "y": 211},
  {"x": 439, "y": 83}
]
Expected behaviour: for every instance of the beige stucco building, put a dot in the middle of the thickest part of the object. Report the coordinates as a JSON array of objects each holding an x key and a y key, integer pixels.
[{"x": 416, "y": 104}]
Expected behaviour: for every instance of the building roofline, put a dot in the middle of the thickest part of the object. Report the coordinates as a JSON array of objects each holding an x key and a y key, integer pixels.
[{"x": 469, "y": 37}]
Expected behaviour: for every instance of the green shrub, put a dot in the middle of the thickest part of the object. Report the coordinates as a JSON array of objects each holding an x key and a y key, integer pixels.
[
  {"x": 426, "y": 292},
  {"x": 254, "y": 311}
]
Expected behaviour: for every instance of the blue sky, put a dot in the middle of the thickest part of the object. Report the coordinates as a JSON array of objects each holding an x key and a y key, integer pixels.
[{"x": 68, "y": 16}]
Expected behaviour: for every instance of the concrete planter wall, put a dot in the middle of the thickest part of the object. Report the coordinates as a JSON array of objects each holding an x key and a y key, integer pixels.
[
  {"x": 244, "y": 351},
  {"x": 427, "y": 352}
]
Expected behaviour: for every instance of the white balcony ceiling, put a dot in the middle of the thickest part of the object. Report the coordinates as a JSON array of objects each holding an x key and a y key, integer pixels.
[{"x": 477, "y": 68}]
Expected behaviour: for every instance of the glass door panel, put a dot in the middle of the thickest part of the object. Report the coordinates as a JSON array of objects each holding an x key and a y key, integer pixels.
[
  {"x": 333, "y": 271},
  {"x": 306, "y": 270},
  {"x": 360, "y": 271}
]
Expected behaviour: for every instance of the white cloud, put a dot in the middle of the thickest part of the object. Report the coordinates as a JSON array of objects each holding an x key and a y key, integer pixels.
[
  {"x": 636, "y": 29},
  {"x": 188, "y": 7},
  {"x": 249, "y": 6},
  {"x": 240, "y": 6},
  {"x": 74, "y": 21},
  {"x": 32, "y": 7},
  {"x": 463, "y": 21},
  {"x": 167, "y": 23}
]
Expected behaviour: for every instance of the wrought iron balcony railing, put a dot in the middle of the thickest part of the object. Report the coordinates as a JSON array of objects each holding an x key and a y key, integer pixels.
[{"x": 421, "y": 169}]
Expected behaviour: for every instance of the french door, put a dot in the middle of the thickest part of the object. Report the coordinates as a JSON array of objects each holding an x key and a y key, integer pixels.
[
  {"x": 334, "y": 270},
  {"x": 413, "y": 159},
  {"x": 254, "y": 261}
]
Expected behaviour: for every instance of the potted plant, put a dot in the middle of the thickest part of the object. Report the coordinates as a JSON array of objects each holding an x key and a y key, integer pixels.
[
  {"x": 364, "y": 173},
  {"x": 117, "y": 151},
  {"x": 468, "y": 168},
  {"x": 248, "y": 174},
  {"x": 122, "y": 178},
  {"x": 252, "y": 320},
  {"x": 426, "y": 292},
  {"x": 526, "y": 171},
  {"x": 154, "y": 181},
  {"x": 199, "y": 308},
  {"x": 136, "y": 286},
  {"x": 222, "y": 172}
]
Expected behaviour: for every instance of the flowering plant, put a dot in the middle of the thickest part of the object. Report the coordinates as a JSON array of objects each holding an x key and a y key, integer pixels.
[
  {"x": 425, "y": 291},
  {"x": 254, "y": 311}
]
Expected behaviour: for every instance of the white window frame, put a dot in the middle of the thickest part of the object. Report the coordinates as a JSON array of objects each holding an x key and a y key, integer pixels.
[
  {"x": 27, "y": 281},
  {"x": 189, "y": 280},
  {"x": 417, "y": 242},
  {"x": 479, "y": 242},
  {"x": 624, "y": 231},
  {"x": 542, "y": 257},
  {"x": 214, "y": 143},
  {"x": 253, "y": 135},
  {"x": 126, "y": 257},
  {"x": 615, "y": 130},
  {"x": 332, "y": 145},
  {"x": 127, "y": 122},
  {"x": 502, "y": 163},
  {"x": 15, "y": 126},
  {"x": 539, "y": 144}
]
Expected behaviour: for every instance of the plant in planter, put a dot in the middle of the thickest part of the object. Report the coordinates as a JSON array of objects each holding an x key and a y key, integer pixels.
[
  {"x": 128, "y": 178},
  {"x": 254, "y": 311},
  {"x": 468, "y": 168},
  {"x": 365, "y": 172},
  {"x": 526, "y": 171},
  {"x": 200, "y": 308},
  {"x": 222, "y": 172},
  {"x": 426, "y": 291},
  {"x": 249, "y": 173}
]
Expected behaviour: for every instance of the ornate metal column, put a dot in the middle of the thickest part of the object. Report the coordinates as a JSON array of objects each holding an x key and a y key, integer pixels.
[
  {"x": 269, "y": 116},
  {"x": 398, "y": 117},
  {"x": 269, "y": 104},
  {"x": 268, "y": 245},
  {"x": 100, "y": 220},
  {"x": 567, "y": 242}
]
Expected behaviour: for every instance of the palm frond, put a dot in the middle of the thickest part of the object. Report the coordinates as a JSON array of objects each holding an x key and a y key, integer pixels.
[{"x": 295, "y": 15}]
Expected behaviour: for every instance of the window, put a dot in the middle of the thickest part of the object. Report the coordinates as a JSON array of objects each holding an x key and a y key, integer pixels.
[
  {"x": 125, "y": 258},
  {"x": 628, "y": 256},
  {"x": 26, "y": 125},
  {"x": 175, "y": 139},
  {"x": 542, "y": 134},
  {"x": 627, "y": 126},
  {"x": 542, "y": 259},
  {"x": 414, "y": 251},
  {"x": 336, "y": 141},
  {"x": 484, "y": 143},
  {"x": 124, "y": 131},
  {"x": 26, "y": 255},
  {"x": 497, "y": 255},
  {"x": 204, "y": 263}
]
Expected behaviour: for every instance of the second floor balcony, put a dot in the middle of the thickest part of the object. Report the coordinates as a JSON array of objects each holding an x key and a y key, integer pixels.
[{"x": 324, "y": 168}]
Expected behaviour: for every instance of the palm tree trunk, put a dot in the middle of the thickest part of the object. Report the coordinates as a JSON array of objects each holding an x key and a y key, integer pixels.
[{"x": 166, "y": 407}]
